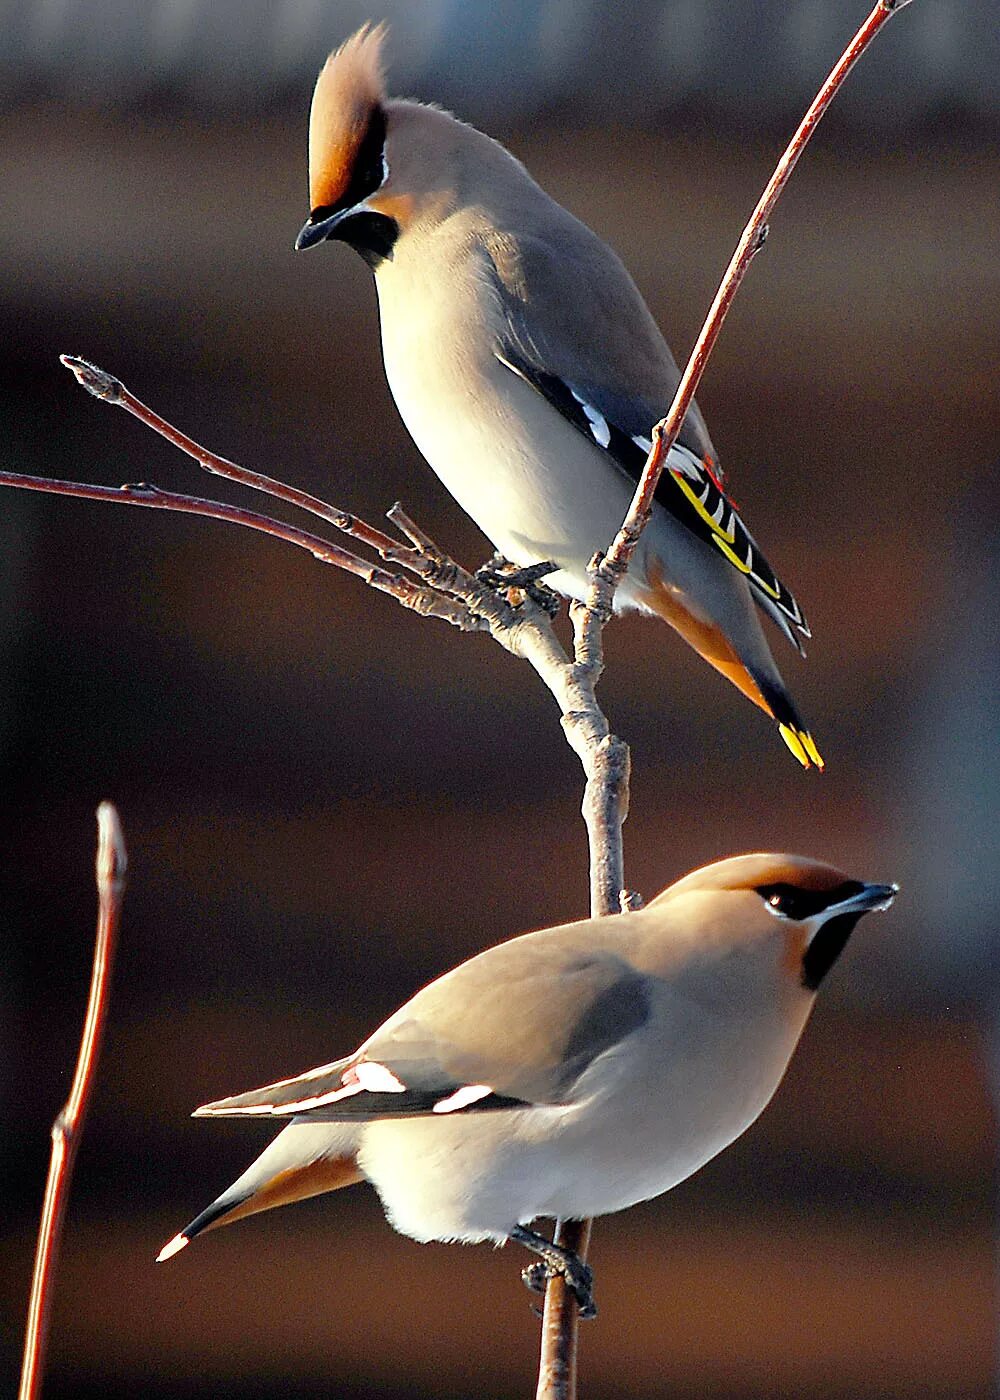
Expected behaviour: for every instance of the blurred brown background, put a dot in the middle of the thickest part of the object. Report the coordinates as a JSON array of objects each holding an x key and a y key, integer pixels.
[{"x": 327, "y": 800}]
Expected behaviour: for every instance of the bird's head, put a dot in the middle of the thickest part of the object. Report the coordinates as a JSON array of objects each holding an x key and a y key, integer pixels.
[
  {"x": 375, "y": 165},
  {"x": 811, "y": 907}
]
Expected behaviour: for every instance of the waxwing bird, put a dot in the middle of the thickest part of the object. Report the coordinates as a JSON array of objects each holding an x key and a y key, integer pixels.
[
  {"x": 529, "y": 371},
  {"x": 566, "y": 1073}
]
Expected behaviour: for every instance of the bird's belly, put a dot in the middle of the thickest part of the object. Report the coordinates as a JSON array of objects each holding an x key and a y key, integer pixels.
[
  {"x": 531, "y": 481},
  {"x": 474, "y": 1178},
  {"x": 467, "y": 1179},
  {"x": 646, "y": 1119}
]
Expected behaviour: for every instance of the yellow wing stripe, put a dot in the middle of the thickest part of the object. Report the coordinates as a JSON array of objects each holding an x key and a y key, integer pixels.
[
  {"x": 713, "y": 525},
  {"x": 725, "y": 539},
  {"x": 731, "y": 555},
  {"x": 738, "y": 563}
]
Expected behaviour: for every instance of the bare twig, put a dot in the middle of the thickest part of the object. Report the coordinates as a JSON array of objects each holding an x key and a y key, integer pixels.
[
  {"x": 420, "y": 598},
  {"x": 557, "y": 1361},
  {"x": 665, "y": 432},
  {"x": 111, "y": 390},
  {"x": 560, "y": 1320},
  {"x": 66, "y": 1130}
]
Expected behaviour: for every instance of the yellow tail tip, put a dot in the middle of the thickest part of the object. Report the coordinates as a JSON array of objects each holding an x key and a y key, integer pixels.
[
  {"x": 812, "y": 750},
  {"x": 172, "y": 1247},
  {"x": 802, "y": 745}
]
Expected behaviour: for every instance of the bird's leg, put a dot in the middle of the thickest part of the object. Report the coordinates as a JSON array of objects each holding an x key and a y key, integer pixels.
[
  {"x": 553, "y": 1260},
  {"x": 501, "y": 574}
]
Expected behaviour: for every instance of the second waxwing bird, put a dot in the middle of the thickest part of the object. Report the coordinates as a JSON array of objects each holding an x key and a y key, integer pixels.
[
  {"x": 566, "y": 1073},
  {"x": 529, "y": 371}
]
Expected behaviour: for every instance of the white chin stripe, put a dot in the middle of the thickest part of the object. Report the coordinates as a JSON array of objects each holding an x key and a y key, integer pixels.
[{"x": 461, "y": 1098}]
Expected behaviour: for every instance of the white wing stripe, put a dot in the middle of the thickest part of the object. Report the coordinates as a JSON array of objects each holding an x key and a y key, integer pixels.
[
  {"x": 598, "y": 423},
  {"x": 461, "y": 1098},
  {"x": 378, "y": 1079}
]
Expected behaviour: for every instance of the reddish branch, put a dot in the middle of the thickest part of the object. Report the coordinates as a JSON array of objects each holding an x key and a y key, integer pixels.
[
  {"x": 66, "y": 1130},
  {"x": 557, "y": 1362},
  {"x": 450, "y": 592},
  {"x": 752, "y": 240},
  {"x": 420, "y": 598},
  {"x": 105, "y": 386}
]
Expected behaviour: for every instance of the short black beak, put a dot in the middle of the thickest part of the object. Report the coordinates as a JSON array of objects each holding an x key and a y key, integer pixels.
[
  {"x": 868, "y": 899},
  {"x": 315, "y": 230}
]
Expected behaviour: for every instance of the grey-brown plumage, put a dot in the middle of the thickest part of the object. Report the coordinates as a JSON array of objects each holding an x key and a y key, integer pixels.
[
  {"x": 530, "y": 372},
  {"x": 569, "y": 1072}
]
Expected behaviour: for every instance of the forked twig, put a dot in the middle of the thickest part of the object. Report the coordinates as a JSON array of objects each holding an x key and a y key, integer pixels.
[
  {"x": 66, "y": 1130},
  {"x": 105, "y": 386},
  {"x": 418, "y": 597}
]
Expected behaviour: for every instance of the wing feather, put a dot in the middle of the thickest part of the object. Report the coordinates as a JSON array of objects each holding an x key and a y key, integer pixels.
[
  {"x": 512, "y": 1027},
  {"x": 603, "y": 364}
]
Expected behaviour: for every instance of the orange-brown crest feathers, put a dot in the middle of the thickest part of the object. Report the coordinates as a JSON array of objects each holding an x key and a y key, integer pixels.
[
  {"x": 349, "y": 89},
  {"x": 749, "y": 872}
]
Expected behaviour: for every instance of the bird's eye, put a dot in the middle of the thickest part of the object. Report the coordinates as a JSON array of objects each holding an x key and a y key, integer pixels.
[{"x": 789, "y": 902}]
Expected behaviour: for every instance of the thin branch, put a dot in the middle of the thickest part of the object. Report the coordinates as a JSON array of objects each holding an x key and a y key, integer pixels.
[
  {"x": 66, "y": 1130},
  {"x": 665, "y": 432},
  {"x": 560, "y": 1320},
  {"x": 412, "y": 595},
  {"x": 604, "y": 805},
  {"x": 106, "y": 387},
  {"x": 447, "y": 591}
]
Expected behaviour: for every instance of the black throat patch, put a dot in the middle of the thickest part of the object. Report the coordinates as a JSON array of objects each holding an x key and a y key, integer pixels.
[
  {"x": 372, "y": 236},
  {"x": 825, "y": 948}
]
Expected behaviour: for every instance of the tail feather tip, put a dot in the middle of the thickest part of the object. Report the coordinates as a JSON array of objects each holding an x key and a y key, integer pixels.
[
  {"x": 172, "y": 1247},
  {"x": 802, "y": 746}
]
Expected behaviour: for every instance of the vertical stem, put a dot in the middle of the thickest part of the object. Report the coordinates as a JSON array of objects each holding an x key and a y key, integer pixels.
[
  {"x": 607, "y": 762},
  {"x": 751, "y": 241},
  {"x": 560, "y": 1321},
  {"x": 605, "y": 807},
  {"x": 111, "y": 861},
  {"x": 605, "y": 799}
]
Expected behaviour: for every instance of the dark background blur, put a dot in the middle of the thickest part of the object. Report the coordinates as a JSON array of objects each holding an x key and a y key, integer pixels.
[{"x": 327, "y": 800}]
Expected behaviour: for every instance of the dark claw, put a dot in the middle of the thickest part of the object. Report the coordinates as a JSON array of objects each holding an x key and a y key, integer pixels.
[
  {"x": 536, "y": 1276},
  {"x": 554, "y": 1262},
  {"x": 500, "y": 574},
  {"x": 582, "y": 1284},
  {"x": 546, "y": 598},
  {"x": 532, "y": 573}
]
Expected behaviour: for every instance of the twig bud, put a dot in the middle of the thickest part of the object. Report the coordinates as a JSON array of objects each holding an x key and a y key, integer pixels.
[{"x": 96, "y": 381}]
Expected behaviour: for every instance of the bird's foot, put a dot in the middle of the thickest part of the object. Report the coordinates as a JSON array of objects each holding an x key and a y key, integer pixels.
[
  {"x": 556, "y": 1262},
  {"x": 506, "y": 578}
]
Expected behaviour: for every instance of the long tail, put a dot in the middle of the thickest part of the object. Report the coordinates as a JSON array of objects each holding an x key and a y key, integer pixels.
[
  {"x": 766, "y": 692},
  {"x": 306, "y": 1159}
]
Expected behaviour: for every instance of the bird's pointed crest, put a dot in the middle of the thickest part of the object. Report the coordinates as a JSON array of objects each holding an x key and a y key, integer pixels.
[{"x": 349, "y": 90}]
